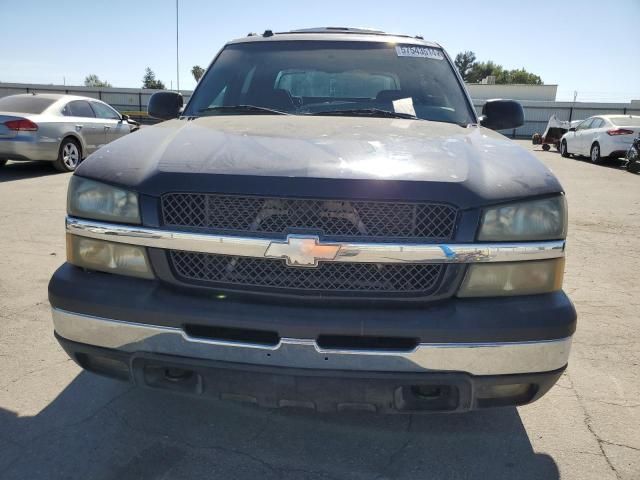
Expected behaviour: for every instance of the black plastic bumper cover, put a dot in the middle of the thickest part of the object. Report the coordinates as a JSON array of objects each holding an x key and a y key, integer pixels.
[{"x": 508, "y": 319}]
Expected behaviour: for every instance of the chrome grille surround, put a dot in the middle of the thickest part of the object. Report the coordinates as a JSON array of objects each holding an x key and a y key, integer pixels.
[{"x": 330, "y": 219}]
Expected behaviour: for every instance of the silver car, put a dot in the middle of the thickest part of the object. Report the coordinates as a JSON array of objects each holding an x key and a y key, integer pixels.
[{"x": 62, "y": 129}]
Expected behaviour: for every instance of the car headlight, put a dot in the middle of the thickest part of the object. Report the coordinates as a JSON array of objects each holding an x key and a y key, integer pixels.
[
  {"x": 108, "y": 257},
  {"x": 513, "y": 278},
  {"x": 544, "y": 219},
  {"x": 99, "y": 201}
]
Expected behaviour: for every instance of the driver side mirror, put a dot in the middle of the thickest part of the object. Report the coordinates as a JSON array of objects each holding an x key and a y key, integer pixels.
[
  {"x": 165, "y": 105},
  {"x": 498, "y": 114},
  {"x": 572, "y": 129},
  {"x": 124, "y": 117}
]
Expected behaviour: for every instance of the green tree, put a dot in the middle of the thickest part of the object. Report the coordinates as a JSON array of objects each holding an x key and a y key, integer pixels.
[
  {"x": 93, "y": 80},
  {"x": 197, "y": 71},
  {"x": 474, "y": 72},
  {"x": 464, "y": 61},
  {"x": 149, "y": 80}
]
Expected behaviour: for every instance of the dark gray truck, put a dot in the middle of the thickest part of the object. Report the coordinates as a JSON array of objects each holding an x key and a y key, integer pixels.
[{"x": 326, "y": 224}]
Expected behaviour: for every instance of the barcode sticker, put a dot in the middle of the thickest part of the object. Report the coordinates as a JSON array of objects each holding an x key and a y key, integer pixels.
[{"x": 417, "y": 51}]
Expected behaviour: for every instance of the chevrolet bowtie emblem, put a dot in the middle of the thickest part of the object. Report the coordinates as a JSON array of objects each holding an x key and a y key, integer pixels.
[{"x": 302, "y": 250}]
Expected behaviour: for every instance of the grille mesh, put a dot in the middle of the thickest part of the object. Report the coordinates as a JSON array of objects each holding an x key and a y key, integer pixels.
[
  {"x": 328, "y": 278},
  {"x": 334, "y": 219}
]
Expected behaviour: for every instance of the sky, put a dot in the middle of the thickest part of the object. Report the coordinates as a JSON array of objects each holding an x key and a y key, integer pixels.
[{"x": 591, "y": 47}]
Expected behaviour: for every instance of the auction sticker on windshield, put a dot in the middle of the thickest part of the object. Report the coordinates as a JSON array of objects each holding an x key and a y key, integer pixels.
[{"x": 417, "y": 51}]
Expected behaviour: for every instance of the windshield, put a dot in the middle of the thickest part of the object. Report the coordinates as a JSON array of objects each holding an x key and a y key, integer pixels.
[
  {"x": 25, "y": 104},
  {"x": 320, "y": 77}
]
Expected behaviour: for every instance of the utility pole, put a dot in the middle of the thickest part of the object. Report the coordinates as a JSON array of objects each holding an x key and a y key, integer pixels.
[{"x": 177, "y": 59}]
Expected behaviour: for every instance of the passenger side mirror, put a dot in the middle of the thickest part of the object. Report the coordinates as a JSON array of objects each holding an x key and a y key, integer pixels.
[
  {"x": 165, "y": 105},
  {"x": 124, "y": 117},
  {"x": 501, "y": 114},
  {"x": 572, "y": 129}
]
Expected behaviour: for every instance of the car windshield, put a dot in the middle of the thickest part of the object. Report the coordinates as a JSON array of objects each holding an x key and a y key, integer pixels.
[
  {"x": 25, "y": 104},
  {"x": 625, "y": 121},
  {"x": 337, "y": 78}
]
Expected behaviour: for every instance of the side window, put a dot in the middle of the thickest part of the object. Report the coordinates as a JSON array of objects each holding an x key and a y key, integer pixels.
[
  {"x": 103, "y": 111},
  {"x": 597, "y": 123},
  {"x": 80, "y": 108},
  {"x": 586, "y": 124}
]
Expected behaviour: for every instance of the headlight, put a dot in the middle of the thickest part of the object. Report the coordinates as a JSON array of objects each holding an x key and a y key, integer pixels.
[
  {"x": 99, "y": 201},
  {"x": 544, "y": 219},
  {"x": 513, "y": 278},
  {"x": 108, "y": 256}
]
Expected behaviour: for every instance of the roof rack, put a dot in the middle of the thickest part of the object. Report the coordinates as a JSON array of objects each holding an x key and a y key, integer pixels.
[{"x": 354, "y": 30}]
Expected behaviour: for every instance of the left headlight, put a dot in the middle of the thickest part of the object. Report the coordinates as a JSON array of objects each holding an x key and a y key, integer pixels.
[
  {"x": 99, "y": 201},
  {"x": 544, "y": 219}
]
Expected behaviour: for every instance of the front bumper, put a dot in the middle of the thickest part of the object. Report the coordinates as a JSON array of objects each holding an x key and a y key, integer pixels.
[{"x": 465, "y": 349}]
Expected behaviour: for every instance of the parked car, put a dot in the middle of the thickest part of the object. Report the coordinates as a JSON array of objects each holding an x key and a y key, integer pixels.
[
  {"x": 603, "y": 136},
  {"x": 62, "y": 129},
  {"x": 327, "y": 224},
  {"x": 632, "y": 159}
]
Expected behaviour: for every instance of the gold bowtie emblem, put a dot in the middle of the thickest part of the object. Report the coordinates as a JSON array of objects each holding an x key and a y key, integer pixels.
[{"x": 302, "y": 250}]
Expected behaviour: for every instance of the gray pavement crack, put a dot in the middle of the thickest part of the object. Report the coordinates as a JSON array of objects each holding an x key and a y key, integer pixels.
[
  {"x": 275, "y": 469},
  {"x": 395, "y": 454},
  {"x": 587, "y": 423}
]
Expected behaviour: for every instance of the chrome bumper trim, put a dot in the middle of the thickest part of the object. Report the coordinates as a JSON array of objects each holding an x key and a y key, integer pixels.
[
  {"x": 472, "y": 358},
  {"x": 347, "y": 252}
]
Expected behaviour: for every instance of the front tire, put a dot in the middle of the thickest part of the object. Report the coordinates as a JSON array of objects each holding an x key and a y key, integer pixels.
[
  {"x": 563, "y": 149},
  {"x": 546, "y": 147},
  {"x": 595, "y": 154},
  {"x": 69, "y": 155}
]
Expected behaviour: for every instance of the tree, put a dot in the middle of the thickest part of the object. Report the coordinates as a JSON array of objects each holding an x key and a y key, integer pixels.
[
  {"x": 149, "y": 80},
  {"x": 93, "y": 80},
  {"x": 464, "y": 61},
  {"x": 474, "y": 72},
  {"x": 197, "y": 71}
]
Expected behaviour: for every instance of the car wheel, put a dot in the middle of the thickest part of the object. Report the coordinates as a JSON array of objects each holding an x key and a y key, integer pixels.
[
  {"x": 69, "y": 155},
  {"x": 546, "y": 147},
  {"x": 563, "y": 149},
  {"x": 595, "y": 153}
]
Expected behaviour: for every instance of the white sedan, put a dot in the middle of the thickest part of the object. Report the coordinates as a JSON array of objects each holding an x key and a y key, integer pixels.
[{"x": 604, "y": 136}]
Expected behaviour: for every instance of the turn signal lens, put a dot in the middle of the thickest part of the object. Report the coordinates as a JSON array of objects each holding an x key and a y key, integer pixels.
[
  {"x": 109, "y": 257},
  {"x": 513, "y": 278}
]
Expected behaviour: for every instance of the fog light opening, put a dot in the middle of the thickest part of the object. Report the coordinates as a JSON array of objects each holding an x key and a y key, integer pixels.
[
  {"x": 177, "y": 374},
  {"x": 505, "y": 394}
]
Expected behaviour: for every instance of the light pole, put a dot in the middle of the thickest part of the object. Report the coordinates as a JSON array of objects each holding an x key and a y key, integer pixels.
[{"x": 177, "y": 59}]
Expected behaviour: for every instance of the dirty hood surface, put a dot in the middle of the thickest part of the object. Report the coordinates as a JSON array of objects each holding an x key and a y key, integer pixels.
[{"x": 323, "y": 156}]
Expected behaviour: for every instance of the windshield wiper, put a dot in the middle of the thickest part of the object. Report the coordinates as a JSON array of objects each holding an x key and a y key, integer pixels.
[
  {"x": 251, "y": 109},
  {"x": 367, "y": 112}
]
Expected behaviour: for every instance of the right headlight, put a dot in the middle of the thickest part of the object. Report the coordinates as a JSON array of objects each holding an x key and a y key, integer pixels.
[
  {"x": 533, "y": 220},
  {"x": 100, "y": 201}
]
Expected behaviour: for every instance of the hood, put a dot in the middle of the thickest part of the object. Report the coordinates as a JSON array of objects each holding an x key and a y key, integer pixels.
[{"x": 323, "y": 156}]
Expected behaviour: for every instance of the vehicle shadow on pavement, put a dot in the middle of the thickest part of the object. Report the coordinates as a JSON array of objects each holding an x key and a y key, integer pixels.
[
  {"x": 22, "y": 170},
  {"x": 102, "y": 429}
]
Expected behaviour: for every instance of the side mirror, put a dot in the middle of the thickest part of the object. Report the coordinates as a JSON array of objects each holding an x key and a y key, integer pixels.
[
  {"x": 124, "y": 117},
  {"x": 572, "y": 129},
  {"x": 165, "y": 105},
  {"x": 502, "y": 114}
]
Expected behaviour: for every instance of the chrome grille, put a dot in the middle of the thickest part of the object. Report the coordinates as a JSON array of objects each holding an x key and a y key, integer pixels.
[
  {"x": 333, "y": 219},
  {"x": 417, "y": 280}
]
